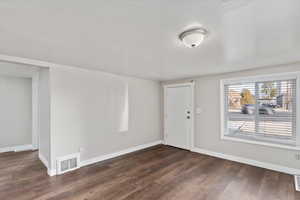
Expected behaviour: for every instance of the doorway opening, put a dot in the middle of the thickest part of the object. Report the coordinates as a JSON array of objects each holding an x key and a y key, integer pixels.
[{"x": 179, "y": 115}]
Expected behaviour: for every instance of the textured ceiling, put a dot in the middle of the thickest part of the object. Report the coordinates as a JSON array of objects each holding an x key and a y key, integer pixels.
[{"x": 140, "y": 38}]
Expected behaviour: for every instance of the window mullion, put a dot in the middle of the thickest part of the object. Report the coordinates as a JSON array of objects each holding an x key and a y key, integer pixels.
[
  {"x": 226, "y": 113},
  {"x": 256, "y": 113},
  {"x": 296, "y": 110}
]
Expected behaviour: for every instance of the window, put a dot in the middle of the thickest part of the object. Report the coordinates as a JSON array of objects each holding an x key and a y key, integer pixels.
[{"x": 261, "y": 109}]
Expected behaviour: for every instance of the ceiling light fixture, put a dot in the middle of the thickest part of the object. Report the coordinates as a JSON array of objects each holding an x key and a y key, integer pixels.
[{"x": 193, "y": 37}]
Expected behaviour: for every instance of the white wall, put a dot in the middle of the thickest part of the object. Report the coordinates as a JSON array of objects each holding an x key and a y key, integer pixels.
[
  {"x": 17, "y": 70},
  {"x": 15, "y": 111},
  {"x": 88, "y": 111},
  {"x": 207, "y": 130},
  {"x": 44, "y": 115}
]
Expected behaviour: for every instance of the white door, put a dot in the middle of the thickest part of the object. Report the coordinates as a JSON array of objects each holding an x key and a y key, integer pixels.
[{"x": 178, "y": 115}]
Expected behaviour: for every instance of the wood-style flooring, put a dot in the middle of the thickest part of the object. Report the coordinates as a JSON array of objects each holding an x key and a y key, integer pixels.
[{"x": 160, "y": 172}]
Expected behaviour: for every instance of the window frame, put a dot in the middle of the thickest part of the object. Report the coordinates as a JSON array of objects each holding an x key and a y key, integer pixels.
[{"x": 261, "y": 78}]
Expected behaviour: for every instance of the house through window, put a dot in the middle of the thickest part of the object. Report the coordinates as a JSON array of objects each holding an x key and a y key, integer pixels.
[{"x": 261, "y": 110}]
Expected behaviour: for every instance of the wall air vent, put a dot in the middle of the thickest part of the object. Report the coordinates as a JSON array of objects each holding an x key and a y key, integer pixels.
[{"x": 68, "y": 163}]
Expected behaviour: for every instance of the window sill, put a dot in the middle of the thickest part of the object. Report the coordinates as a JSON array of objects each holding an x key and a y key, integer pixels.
[{"x": 269, "y": 144}]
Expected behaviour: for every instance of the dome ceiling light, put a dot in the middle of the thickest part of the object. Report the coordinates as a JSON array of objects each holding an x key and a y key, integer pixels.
[{"x": 193, "y": 37}]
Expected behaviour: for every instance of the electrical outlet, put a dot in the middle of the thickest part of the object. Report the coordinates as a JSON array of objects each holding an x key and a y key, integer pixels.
[{"x": 297, "y": 156}]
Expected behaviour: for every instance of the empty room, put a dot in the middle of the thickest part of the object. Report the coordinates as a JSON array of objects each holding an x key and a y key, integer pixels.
[{"x": 150, "y": 100}]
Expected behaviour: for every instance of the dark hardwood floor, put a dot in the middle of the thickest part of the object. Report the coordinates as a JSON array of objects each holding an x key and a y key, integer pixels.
[{"x": 160, "y": 172}]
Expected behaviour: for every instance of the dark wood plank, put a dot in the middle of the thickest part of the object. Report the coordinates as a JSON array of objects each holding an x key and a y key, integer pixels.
[{"x": 160, "y": 172}]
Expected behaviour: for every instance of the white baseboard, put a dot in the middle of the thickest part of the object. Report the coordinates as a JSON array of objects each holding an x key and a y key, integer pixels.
[
  {"x": 18, "y": 148},
  {"x": 256, "y": 163},
  {"x": 51, "y": 172},
  {"x": 120, "y": 153},
  {"x": 43, "y": 159},
  {"x": 297, "y": 182},
  {"x": 46, "y": 163}
]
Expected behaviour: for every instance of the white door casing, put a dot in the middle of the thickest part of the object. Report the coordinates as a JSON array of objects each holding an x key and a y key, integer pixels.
[{"x": 179, "y": 115}]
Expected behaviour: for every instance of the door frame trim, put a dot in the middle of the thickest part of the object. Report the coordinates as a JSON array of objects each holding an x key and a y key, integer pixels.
[
  {"x": 190, "y": 84},
  {"x": 34, "y": 76}
]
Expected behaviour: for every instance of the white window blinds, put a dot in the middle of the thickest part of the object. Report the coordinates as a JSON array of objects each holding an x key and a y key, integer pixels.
[{"x": 261, "y": 110}]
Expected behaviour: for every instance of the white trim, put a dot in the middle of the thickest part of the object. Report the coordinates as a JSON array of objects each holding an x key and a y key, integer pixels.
[
  {"x": 296, "y": 183},
  {"x": 43, "y": 160},
  {"x": 269, "y": 144},
  {"x": 34, "y": 75},
  {"x": 51, "y": 172},
  {"x": 26, "y": 61},
  {"x": 35, "y": 110},
  {"x": 119, "y": 153},
  {"x": 18, "y": 148},
  {"x": 298, "y": 110},
  {"x": 222, "y": 111},
  {"x": 179, "y": 85},
  {"x": 192, "y": 132},
  {"x": 268, "y": 77},
  {"x": 247, "y": 161}
]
